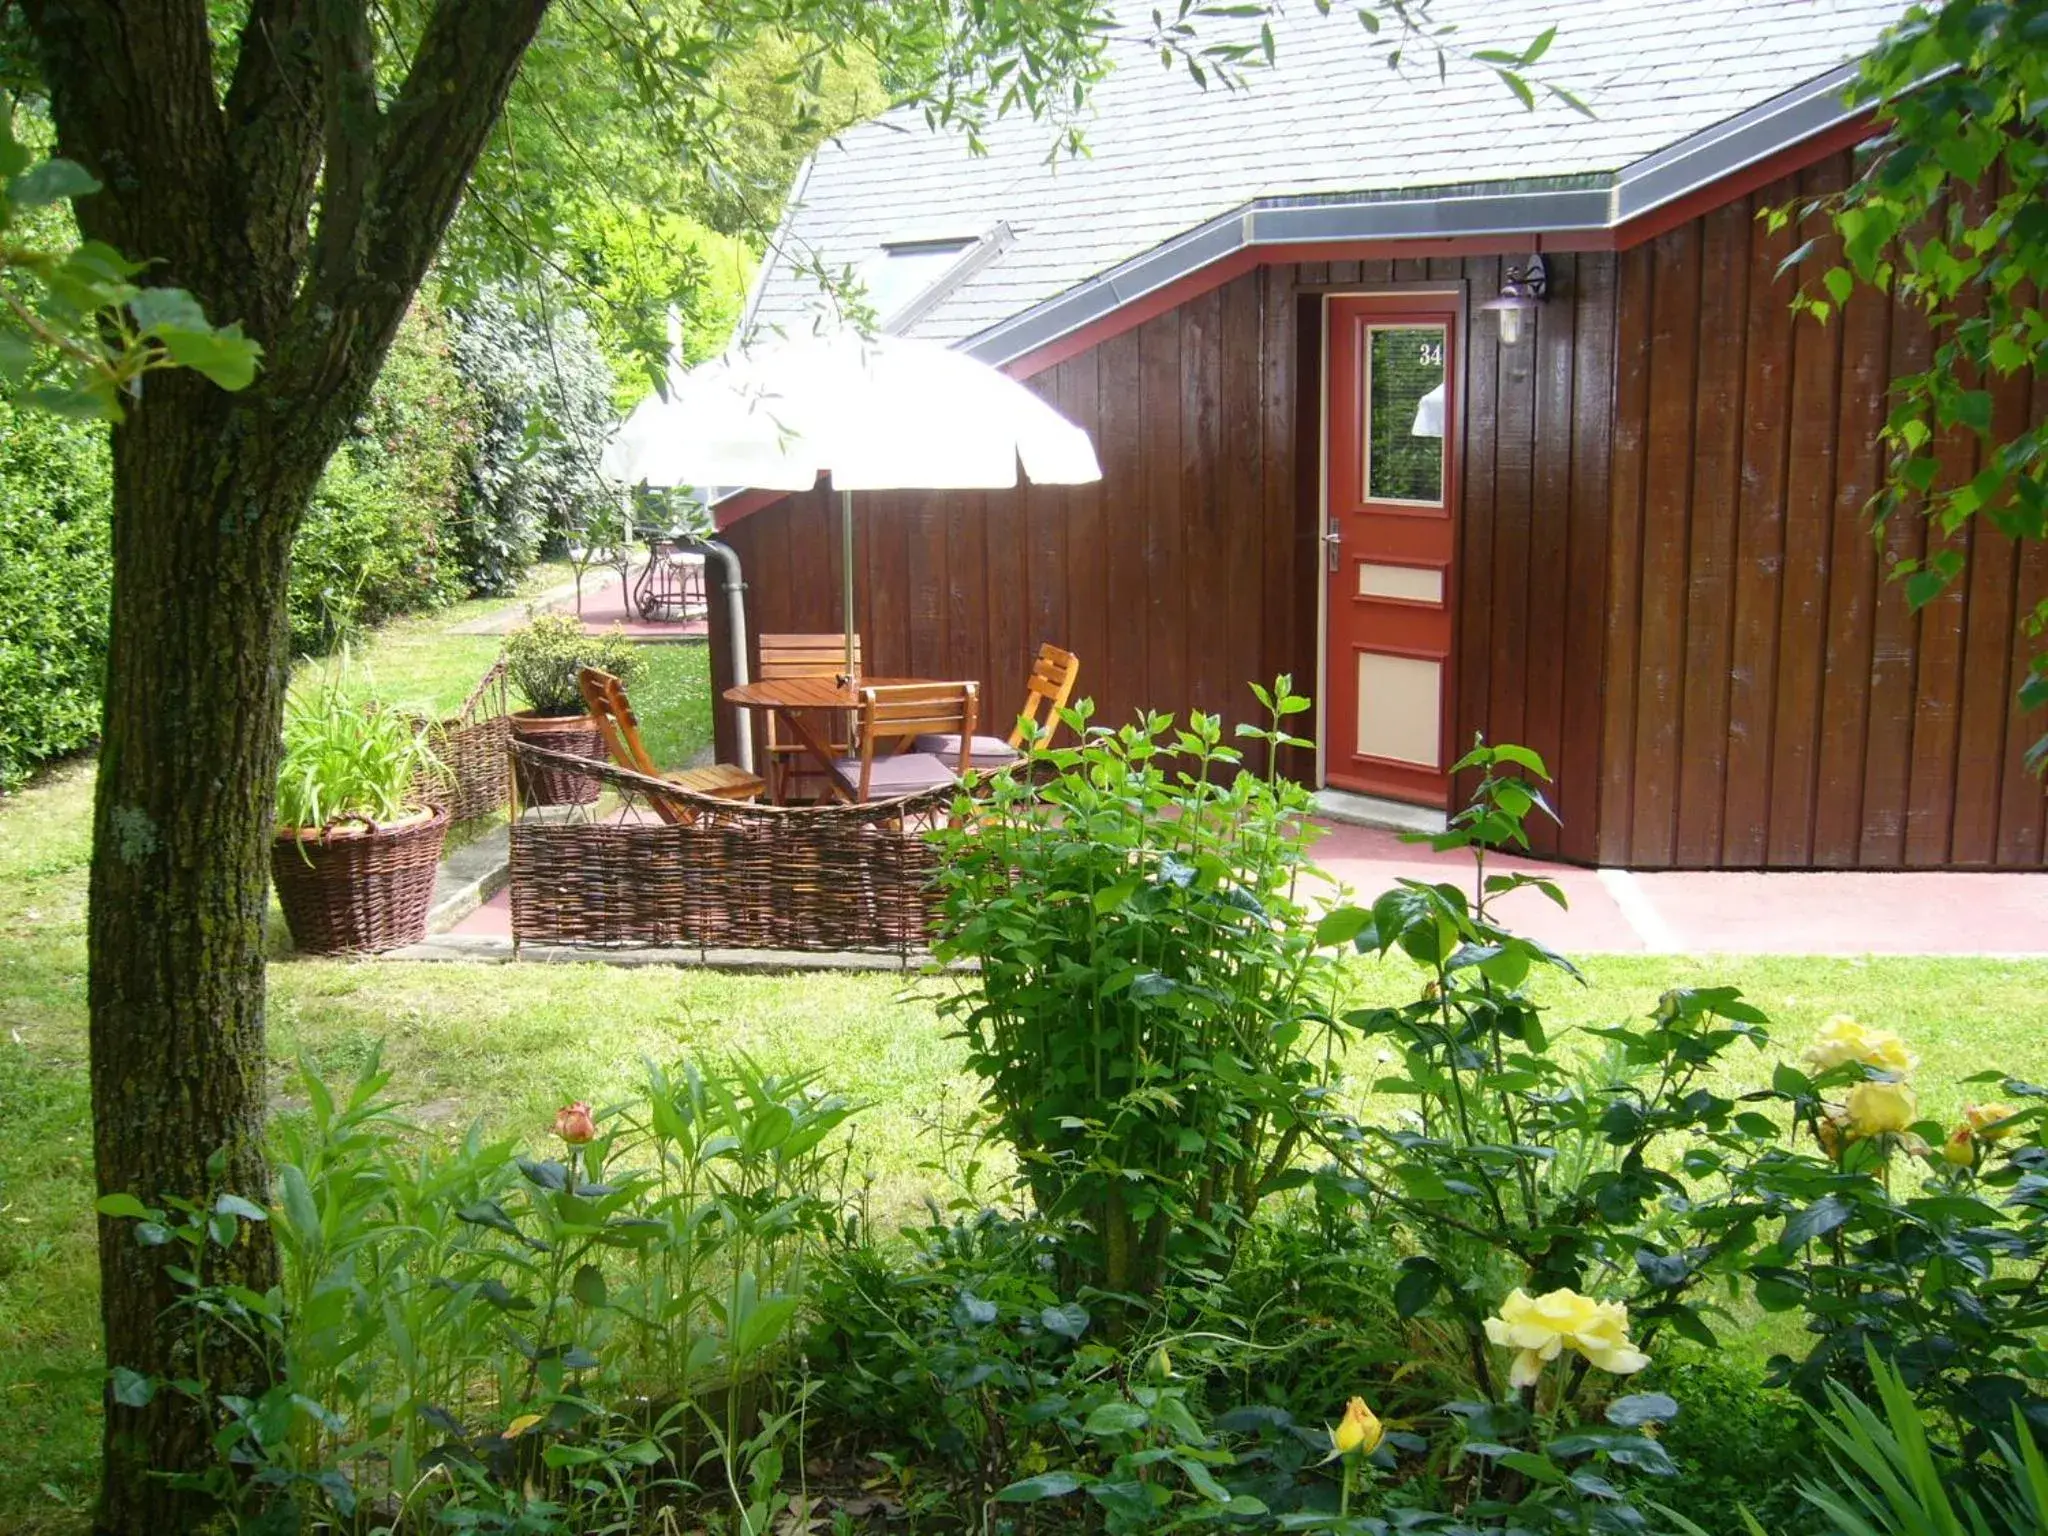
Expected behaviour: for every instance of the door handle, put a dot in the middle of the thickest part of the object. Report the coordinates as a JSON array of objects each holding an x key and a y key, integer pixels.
[{"x": 1334, "y": 542}]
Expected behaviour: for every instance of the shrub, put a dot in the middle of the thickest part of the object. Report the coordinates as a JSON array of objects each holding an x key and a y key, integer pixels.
[
  {"x": 375, "y": 541},
  {"x": 544, "y": 391},
  {"x": 1153, "y": 1016},
  {"x": 55, "y": 576},
  {"x": 543, "y": 657},
  {"x": 1739, "y": 1444}
]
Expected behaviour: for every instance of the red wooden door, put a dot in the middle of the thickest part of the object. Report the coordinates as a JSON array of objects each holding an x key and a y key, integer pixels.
[{"x": 1389, "y": 535}]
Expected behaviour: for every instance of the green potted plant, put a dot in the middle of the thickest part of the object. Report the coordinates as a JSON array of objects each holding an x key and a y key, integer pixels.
[
  {"x": 542, "y": 660},
  {"x": 357, "y": 844}
]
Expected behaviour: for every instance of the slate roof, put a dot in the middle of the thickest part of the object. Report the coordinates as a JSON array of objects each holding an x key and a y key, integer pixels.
[{"x": 1329, "y": 118}]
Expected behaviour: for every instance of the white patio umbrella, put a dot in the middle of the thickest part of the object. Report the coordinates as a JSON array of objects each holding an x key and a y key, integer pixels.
[{"x": 872, "y": 412}]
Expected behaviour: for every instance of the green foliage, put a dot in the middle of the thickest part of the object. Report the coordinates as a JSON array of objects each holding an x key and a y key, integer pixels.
[
  {"x": 77, "y": 333},
  {"x": 1893, "y": 1251},
  {"x": 461, "y": 1334},
  {"x": 1521, "y": 1162},
  {"x": 543, "y": 657},
  {"x": 1741, "y": 1446},
  {"x": 1891, "y": 1476},
  {"x": 346, "y": 756},
  {"x": 374, "y": 541},
  {"x": 1946, "y": 212},
  {"x": 1151, "y": 1020},
  {"x": 544, "y": 400},
  {"x": 54, "y": 582}
]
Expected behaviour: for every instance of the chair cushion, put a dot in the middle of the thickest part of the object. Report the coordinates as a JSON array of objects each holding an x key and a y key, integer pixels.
[
  {"x": 904, "y": 774},
  {"x": 986, "y": 752}
]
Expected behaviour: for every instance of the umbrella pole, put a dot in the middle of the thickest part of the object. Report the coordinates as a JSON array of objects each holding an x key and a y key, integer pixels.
[{"x": 846, "y": 568}]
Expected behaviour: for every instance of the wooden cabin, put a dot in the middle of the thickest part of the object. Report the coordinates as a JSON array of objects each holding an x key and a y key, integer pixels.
[{"x": 1612, "y": 509}]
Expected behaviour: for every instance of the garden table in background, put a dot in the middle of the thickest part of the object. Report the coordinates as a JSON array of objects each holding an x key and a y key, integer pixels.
[{"x": 797, "y": 701}]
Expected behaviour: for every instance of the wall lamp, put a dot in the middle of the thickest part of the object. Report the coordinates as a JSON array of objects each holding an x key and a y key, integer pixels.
[{"x": 1521, "y": 294}]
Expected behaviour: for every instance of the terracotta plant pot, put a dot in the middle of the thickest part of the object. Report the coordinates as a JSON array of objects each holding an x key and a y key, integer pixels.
[
  {"x": 576, "y": 735},
  {"x": 357, "y": 886}
]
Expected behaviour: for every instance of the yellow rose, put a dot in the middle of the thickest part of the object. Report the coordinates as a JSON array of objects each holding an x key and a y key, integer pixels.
[
  {"x": 1990, "y": 1122},
  {"x": 1359, "y": 1430},
  {"x": 1960, "y": 1148},
  {"x": 1842, "y": 1040},
  {"x": 1540, "y": 1328},
  {"x": 1879, "y": 1108}
]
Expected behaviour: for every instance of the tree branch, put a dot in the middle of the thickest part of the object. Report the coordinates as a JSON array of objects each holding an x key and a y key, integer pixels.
[
  {"x": 392, "y": 182},
  {"x": 131, "y": 89},
  {"x": 274, "y": 123},
  {"x": 352, "y": 133}
]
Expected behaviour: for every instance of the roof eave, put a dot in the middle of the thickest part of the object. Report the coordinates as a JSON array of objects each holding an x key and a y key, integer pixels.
[{"x": 1599, "y": 203}]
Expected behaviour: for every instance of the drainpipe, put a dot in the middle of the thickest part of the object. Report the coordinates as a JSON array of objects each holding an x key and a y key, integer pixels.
[{"x": 736, "y": 621}]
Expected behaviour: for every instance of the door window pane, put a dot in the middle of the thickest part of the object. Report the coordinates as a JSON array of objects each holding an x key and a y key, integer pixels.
[{"x": 1404, "y": 414}]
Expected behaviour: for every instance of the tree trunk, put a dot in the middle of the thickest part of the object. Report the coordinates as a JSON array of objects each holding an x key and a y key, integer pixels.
[
  {"x": 196, "y": 678},
  {"x": 216, "y": 191}
]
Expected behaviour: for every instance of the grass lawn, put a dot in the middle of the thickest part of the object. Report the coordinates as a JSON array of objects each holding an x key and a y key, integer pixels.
[{"x": 507, "y": 1044}]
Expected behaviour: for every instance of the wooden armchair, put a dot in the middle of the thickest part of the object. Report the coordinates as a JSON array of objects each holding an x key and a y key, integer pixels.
[
  {"x": 892, "y": 717},
  {"x": 802, "y": 656},
  {"x": 605, "y": 696},
  {"x": 1047, "y": 690}
]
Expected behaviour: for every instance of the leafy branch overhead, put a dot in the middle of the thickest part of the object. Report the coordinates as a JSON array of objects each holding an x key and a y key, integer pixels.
[{"x": 77, "y": 333}]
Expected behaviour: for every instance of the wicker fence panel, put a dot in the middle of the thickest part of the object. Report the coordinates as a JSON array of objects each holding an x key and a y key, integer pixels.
[
  {"x": 736, "y": 876},
  {"x": 474, "y": 746}
]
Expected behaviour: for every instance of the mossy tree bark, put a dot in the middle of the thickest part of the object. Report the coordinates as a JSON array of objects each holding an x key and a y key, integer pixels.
[{"x": 217, "y": 190}]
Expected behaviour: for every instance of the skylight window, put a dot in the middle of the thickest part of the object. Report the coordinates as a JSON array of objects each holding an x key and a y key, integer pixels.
[{"x": 911, "y": 275}]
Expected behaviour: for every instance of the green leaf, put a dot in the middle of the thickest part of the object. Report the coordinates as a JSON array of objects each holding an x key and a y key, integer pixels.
[
  {"x": 1046, "y": 1485},
  {"x": 1640, "y": 1408},
  {"x": 123, "y": 1207},
  {"x": 51, "y": 182},
  {"x": 765, "y": 1324},
  {"x": 1115, "y": 1418},
  {"x": 235, "y": 1205},
  {"x": 588, "y": 1287},
  {"x": 1417, "y": 1285},
  {"x": 1069, "y": 1321},
  {"x": 167, "y": 308},
  {"x": 225, "y": 356},
  {"x": 131, "y": 1389},
  {"x": 1817, "y": 1220}
]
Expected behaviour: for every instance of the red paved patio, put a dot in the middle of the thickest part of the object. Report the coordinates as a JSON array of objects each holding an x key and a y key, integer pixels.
[
  {"x": 1615, "y": 912},
  {"x": 604, "y": 606}
]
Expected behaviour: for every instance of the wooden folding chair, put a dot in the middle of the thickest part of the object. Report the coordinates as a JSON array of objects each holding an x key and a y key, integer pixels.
[
  {"x": 802, "y": 656},
  {"x": 891, "y": 718},
  {"x": 1046, "y": 691},
  {"x": 605, "y": 697}
]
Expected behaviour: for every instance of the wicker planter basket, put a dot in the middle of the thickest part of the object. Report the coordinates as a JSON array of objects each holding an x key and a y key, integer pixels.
[
  {"x": 474, "y": 746},
  {"x": 547, "y": 783},
  {"x": 357, "y": 887}
]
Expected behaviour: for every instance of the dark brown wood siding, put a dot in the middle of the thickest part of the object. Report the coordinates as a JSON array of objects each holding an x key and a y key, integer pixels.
[
  {"x": 1770, "y": 700},
  {"x": 1665, "y": 583},
  {"x": 1182, "y": 577}
]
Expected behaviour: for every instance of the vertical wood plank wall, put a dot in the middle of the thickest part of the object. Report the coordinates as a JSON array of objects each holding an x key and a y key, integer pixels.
[
  {"x": 1666, "y": 584},
  {"x": 1770, "y": 701},
  {"x": 1179, "y": 579}
]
